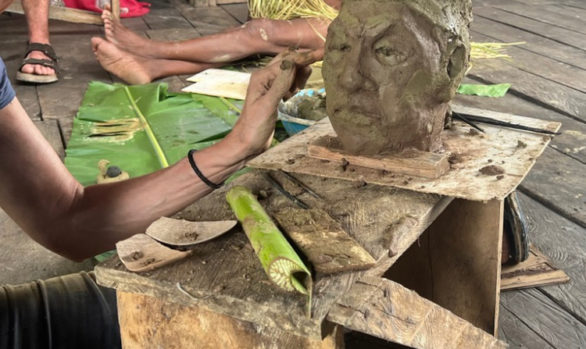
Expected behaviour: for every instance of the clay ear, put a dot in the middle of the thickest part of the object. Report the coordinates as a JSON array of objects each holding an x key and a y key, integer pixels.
[{"x": 457, "y": 63}]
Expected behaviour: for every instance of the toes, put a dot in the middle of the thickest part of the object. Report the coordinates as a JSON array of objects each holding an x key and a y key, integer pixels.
[
  {"x": 96, "y": 41},
  {"x": 27, "y": 68}
]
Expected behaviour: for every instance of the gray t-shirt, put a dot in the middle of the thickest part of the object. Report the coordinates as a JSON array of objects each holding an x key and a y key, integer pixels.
[{"x": 6, "y": 91}]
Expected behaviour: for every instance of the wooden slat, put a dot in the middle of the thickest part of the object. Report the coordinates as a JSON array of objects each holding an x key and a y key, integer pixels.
[
  {"x": 173, "y": 34},
  {"x": 517, "y": 334},
  {"x": 563, "y": 241},
  {"x": 537, "y": 270},
  {"x": 555, "y": 182},
  {"x": 552, "y": 32},
  {"x": 209, "y": 20},
  {"x": 534, "y": 43},
  {"x": 238, "y": 11},
  {"x": 387, "y": 310},
  {"x": 544, "y": 90},
  {"x": 472, "y": 152},
  {"x": 543, "y": 316},
  {"x": 552, "y": 15},
  {"x": 416, "y": 163},
  {"x": 242, "y": 289},
  {"x": 51, "y": 132},
  {"x": 570, "y": 142},
  {"x": 166, "y": 18}
]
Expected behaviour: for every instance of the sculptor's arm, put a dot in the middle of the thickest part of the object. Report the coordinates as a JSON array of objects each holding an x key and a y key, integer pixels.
[{"x": 38, "y": 192}]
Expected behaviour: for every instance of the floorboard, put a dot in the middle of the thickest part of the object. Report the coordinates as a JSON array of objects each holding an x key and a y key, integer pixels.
[
  {"x": 238, "y": 11},
  {"x": 517, "y": 334}
]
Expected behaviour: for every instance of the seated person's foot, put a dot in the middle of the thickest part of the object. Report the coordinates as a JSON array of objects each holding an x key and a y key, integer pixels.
[
  {"x": 123, "y": 37},
  {"x": 128, "y": 67},
  {"x": 39, "y": 65}
]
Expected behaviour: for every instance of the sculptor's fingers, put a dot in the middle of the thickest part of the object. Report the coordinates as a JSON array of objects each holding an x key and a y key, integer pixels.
[{"x": 283, "y": 81}]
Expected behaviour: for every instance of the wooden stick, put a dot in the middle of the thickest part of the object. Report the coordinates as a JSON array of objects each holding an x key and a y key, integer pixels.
[{"x": 115, "y": 6}]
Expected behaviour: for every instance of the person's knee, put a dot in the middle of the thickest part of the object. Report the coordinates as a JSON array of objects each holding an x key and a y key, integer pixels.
[{"x": 261, "y": 30}]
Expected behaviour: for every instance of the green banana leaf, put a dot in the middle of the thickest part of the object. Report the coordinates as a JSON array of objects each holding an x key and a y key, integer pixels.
[{"x": 114, "y": 122}]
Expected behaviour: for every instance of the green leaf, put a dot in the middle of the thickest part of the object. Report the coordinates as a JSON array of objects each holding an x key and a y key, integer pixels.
[
  {"x": 109, "y": 125},
  {"x": 498, "y": 90}
]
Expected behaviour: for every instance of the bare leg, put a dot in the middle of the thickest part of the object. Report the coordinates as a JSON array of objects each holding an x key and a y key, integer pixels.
[
  {"x": 37, "y": 19},
  {"x": 137, "y": 69},
  {"x": 256, "y": 36}
]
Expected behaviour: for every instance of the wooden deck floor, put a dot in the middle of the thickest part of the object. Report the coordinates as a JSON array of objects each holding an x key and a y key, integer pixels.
[{"x": 548, "y": 75}]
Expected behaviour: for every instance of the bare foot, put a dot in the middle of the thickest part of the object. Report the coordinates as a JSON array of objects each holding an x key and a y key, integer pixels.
[
  {"x": 125, "y": 38},
  {"x": 128, "y": 67},
  {"x": 37, "y": 69}
]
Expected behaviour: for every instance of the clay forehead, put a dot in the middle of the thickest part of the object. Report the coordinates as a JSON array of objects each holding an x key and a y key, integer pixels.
[{"x": 370, "y": 17}]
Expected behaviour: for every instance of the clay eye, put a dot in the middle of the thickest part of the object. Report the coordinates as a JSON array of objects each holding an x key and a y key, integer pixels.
[
  {"x": 341, "y": 47},
  {"x": 388, "y": 55}
]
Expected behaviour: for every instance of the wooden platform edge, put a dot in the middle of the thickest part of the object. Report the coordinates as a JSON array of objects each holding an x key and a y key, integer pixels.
[
  {"x": 421, "y": 164},
  {"x": 387, "y": 310},
  {"x": 537, "y": 270}
]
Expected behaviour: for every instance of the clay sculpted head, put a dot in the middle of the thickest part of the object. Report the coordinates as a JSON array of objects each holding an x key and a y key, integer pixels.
[{"x": 390, "y": 69}]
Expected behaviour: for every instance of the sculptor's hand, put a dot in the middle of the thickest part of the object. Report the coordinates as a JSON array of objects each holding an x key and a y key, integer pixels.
[{"x": 254, "y": 130}]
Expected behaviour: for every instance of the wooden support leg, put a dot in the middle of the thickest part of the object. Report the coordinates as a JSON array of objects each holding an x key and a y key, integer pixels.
[
  {"x": 457, "y": 262},
  {"x": 147, "y": 322},
  {"x": 115, "y": 7}
]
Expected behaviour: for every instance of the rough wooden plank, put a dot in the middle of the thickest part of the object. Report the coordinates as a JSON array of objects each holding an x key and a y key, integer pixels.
[
  {"x": 537, "y": 270},
  {"x": 323, "y": 241},
  {"x": 514, "y": 152},
  {"x": 563, "y": 241},
  {"x": 465, "y": 254},
  {"x": 209, "y": 20},
  {"x": 534, "y": 43},
  {"x": 573, "y": 133},
  {"x": 387, "y": 310},
  {"x": 238, "y": 11},
  {"x": 543, "y": 90},
  {"x": 564, "y": 74},
  {"x": 561, "y": 35},
  {"x": 543, "y": 316},
  {"x": 554, "y": 183},
  {"x": 195, "y": 327},
  {"x": 410, "y": 163},
  {"x": 546, "y": 14},
  {"x": 242, "y": 289},
  {"x": 517, "y": 334},
  {"x": 51, "y": 132},
  {"x": 166, "y": 18}
]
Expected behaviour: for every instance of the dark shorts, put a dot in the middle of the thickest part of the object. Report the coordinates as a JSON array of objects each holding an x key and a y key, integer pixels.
[{"x": 6, "y": 91}]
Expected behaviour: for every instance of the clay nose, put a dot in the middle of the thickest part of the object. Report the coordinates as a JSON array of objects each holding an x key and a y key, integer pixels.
[{"x": 352, "y": 77}]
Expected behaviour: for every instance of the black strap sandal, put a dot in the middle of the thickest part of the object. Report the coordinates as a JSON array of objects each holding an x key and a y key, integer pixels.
[{"x": 50, "y": 63}]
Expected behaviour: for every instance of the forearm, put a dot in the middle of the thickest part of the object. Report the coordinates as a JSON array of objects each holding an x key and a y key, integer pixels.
[{"x": 104, "y": 214}]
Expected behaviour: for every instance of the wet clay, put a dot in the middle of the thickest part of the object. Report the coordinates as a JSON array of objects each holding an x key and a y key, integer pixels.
[{"x": 390, "y": 69}]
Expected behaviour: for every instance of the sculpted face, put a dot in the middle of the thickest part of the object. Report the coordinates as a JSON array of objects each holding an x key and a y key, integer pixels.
[{"x": 389, "y": 73}]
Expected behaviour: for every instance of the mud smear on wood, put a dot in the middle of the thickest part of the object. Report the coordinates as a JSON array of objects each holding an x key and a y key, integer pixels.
[{"x": 390, "y": 69}]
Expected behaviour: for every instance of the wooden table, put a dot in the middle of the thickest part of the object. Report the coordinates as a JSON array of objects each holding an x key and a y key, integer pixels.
[{"x": 435, "y": 284}]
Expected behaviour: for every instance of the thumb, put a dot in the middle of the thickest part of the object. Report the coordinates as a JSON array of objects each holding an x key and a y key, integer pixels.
[{"x": 282, "y": 82}]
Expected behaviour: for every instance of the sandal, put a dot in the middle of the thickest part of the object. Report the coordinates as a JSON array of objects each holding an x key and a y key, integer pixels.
[{"x": 50, "y": 63}]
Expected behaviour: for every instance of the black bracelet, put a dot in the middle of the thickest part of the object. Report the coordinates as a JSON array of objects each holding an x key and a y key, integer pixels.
[{"x": 198, "y": 172}]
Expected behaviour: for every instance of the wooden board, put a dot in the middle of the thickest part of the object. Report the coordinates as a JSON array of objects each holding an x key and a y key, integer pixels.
[
  {"x": 242, "y": 289},
  {"x": 563, "y": 241},
  {"x": 513, "y": 151},
  {"x": 180, "y": 232},
  {"x": 542, "y": 315},
  {"x": 387, "y": 310},
  {"x": 219, "y": 82},
  {"x": 517, "y": 334},
  {"x": 409, "y": 163},
  {"x": 51, "y": 132},
  {"x": 166, "y": 18},
  {"x": 570, "y": 142},
  {"x": 554, "y": 182},
  {"x": 179, "y": 327},
  {"x": 322, "y": 240},
  {"x": 457, "y": 262},
  {"x": 537, "y": 270}
]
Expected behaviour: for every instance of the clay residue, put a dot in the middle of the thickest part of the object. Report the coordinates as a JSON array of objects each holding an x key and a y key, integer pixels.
[
  {"x": 390, "y": 69},
  {"x": 311, "y": 108},
  {"x": 492, "y": 170}
]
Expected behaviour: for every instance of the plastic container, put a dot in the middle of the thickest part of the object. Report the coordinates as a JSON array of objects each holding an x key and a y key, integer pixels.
[{"x": 287, "y": 112}]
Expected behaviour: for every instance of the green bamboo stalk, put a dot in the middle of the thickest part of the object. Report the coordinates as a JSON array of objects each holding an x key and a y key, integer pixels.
[
  {"x": 279, "y": 260},
  {"x": 147, "y": 127}
]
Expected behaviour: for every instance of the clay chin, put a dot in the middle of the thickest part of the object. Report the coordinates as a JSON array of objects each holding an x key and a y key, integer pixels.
[{"x": 390, "y": 70}]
